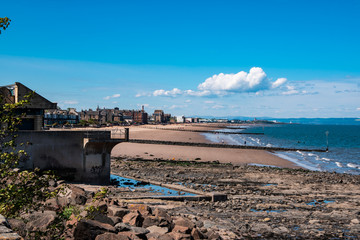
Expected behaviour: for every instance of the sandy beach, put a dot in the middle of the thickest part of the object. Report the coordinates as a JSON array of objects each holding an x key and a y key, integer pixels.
[{"x": 182, "y": 133}]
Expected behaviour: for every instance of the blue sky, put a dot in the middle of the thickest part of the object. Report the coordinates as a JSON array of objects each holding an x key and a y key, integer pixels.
[{"x": 205, "y": 58}]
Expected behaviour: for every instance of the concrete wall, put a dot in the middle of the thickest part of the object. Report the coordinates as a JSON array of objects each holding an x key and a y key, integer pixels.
[{"x": 78, "y": 156}]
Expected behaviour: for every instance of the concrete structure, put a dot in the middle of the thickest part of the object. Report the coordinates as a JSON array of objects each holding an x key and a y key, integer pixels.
[
  {"x": 79, "y": 156},
  {"x": 34, "y": 111}
]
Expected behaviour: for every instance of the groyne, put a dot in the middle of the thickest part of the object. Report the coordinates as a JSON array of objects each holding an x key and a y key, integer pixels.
[
  {"x": 217, "y": 145},
  {"x": 202, "y": 131}
]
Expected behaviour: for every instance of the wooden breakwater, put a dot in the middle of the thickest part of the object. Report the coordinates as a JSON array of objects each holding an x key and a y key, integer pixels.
[
  {"x": 202, "y": 131},
  {"x": 218, "y": 145}
]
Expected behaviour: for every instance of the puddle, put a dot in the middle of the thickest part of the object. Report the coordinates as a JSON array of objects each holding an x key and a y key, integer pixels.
[
  {"x": 317, "y": 203},
  {"x": 268, "y": 211},
  {"x": 296, "y": 228},
  {"x": 270, "y": 184},
  {"x": 134, "y": 184}
]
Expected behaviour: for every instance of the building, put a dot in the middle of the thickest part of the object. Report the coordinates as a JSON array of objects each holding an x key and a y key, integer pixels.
[
  {"x": 105, "y": 116},
  {"x": 61, "y": 117},
  {"x": 159, "y": 116},
  {"x": 33, "y": 118},
  {"x": 180, "y": 119}
]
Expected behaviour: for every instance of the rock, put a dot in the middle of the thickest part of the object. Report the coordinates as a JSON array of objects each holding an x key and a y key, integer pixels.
[
  {"x": 121, "y": 227},
  {"x": 153, "y": 236},
  {"x": 117, "y": 211},
  {"x": 213, "y": 235},
  {"x": 280, "y": 230},
  {"x": 62, "y": 201},
  {"x": 355, "y": 221},
  {"x": 142, "y": 208},
  {"x": 89, "y": 229},
  {"x": 266, "y": 220},
  {"x": 130, "y": 235},
  {"x": 139, "y": 231},
  {"x": 52, "y": 204},
  {"x": 18, "y": 225},
  {"x": 111, "y": 236},
  {"x": 314, "y": 221},
  {"x": 180, "y": 236},
  {"x": 156, "y": 229},
  {"x": 162, "y": 214},
  {"x": 261, "y": 227},
  {"x": 3, "y": 221},
  {"x": 181, "y": 229},
  {"x": 165, "y": 237},
  {"x": 78, "y": 195},
  {"x": 4, "y": 229},
  {"x": 133, "y": 218},
  {"x": 39, "y": 221},
  {"x": 184, "y": 222},
  {"x": 196, "y": 234},
  {"x": 115, "y": 219},
  {"x": 10, "y": 236},
  {"x": 151, "y": 221},
  {"x": 104, "y": 219}
]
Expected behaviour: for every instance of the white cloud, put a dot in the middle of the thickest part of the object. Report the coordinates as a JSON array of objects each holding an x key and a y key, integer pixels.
[
  {"x": 358, "y": 109},
  {"x": 291, "y": 91},
  {"x": 278, "y": 82},
  {"x": 217, "y": 106},
  {"x": 171, "y": 93},
  {"x": 188, "y": 101},
  {"x": 224, "y": 84},
  {"x": 143, "y": 95},
  {"x": 197, "y": 93},
  {"x": 208, "y": 102},
  {"x": 117, "y": 95},
  {"x": 253, "y": 81}
]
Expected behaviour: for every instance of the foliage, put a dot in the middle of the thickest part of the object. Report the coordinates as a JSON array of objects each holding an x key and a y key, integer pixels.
[
  {"x": 20, "y": 190},
  {"x": 4, "y": 23}
]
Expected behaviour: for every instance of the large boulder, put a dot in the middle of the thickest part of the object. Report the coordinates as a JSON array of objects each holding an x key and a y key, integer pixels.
[
  {"x": 142, "y": 208},
  {"x": 184, "y": 222},
  {"x": 88, "y": 229},
  {"x": 111, "y": 236},
  {"x": 78, "y": 195},
  {"x": 39, "y": 221},
  {"x": 133, "y": 218},
  {"x": 117, "y": 211}
]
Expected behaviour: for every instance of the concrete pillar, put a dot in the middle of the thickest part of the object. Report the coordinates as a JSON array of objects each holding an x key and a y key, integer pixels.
[
  {"x": 96, "y": 164},
  {"x": 127, "y": 134},
  {"x": 38, "y": 122}
]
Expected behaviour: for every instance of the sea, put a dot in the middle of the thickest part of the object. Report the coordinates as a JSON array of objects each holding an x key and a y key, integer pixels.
[{"x": 341, "y": 138}]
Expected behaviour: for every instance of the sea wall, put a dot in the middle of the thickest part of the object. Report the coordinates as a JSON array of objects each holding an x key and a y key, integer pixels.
[{"x": 77, "y": 156}]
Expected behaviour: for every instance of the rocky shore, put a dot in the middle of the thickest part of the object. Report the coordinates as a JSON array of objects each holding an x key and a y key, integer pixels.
[{"x": 263, "y": 202}]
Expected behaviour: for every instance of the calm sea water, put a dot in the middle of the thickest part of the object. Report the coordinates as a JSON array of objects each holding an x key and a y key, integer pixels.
[{"x": 343, "y": 142}]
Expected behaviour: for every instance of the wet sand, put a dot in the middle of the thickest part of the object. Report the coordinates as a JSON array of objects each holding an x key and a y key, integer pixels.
[{"x": 154, "y": 151}]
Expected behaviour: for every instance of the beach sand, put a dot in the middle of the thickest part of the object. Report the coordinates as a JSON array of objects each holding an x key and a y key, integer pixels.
[{"x": 223, "y": 155}]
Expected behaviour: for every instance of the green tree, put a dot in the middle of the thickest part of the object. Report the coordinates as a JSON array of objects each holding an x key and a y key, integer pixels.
[
  {"x": 20, "y": 190},
  {"x": 4, "y": 23}
]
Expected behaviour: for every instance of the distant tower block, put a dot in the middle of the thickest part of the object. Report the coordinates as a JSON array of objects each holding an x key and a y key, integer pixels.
[{"x": 142, "y": 108}]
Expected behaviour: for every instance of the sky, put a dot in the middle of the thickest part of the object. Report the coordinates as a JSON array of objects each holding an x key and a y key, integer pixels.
[{"x": 280, "y": 58}]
